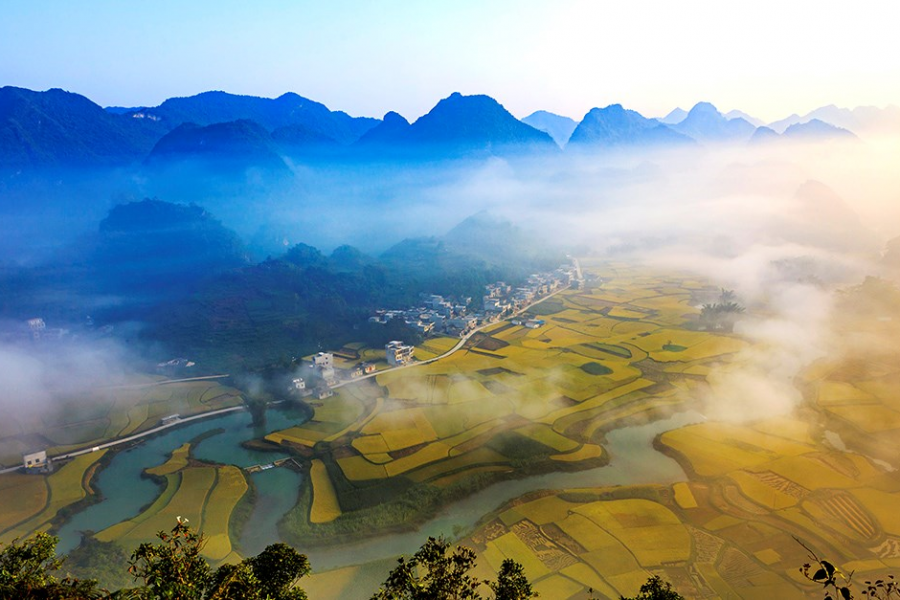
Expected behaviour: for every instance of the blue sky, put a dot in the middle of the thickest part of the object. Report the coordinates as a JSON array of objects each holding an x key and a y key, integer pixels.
[{"x": 367, "y": 57}]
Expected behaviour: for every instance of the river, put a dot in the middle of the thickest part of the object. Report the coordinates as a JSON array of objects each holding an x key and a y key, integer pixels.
[{"x": 633, "y": 460}]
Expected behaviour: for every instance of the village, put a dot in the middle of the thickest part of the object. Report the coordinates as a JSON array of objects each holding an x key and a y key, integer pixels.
[{"x": 435, "y": 316}]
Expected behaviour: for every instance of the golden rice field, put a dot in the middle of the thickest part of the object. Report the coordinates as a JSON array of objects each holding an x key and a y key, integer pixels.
[
  {"x": 204, "y": 495},
  {"x": 613, "y": 351},
  {"x": 726, "y": 532},
  {"x": 325, "y": 505},
  {"x": 37, "y": 499}
]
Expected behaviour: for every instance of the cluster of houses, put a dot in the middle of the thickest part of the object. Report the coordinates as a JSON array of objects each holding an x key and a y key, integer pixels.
[
  {"x": 501, "y": 300},
  {"x": 437, "y": 315},
  {"x": 321, "y": 376}
]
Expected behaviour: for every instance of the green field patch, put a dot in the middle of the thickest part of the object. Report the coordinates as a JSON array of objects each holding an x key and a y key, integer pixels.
[
  {"x": 491, "y": 344},
  {"x": 617, "y": 351},
  {"x": 595, "y": 368},
  {"x": 550, "y": 306},
  {"x": 514, "y": 445},
  {"x": 498, "y": 371},
  {"x": 674, "y": 348}
]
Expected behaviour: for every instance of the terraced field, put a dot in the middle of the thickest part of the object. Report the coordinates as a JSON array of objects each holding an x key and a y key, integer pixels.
[
  {"x": 205, "y": 495},
  {"x": 32, "y": 502}
]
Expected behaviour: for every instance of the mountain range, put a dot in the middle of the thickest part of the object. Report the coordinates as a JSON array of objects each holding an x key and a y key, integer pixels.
[{"x": 58, "y": 128}]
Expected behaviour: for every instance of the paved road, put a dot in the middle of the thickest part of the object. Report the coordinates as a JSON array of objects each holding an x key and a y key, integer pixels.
[
  {"x": 137, "y": 436},
  {"x": 455, "y": 348}
]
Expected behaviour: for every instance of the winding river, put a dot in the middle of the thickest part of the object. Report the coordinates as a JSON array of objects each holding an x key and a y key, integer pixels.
[{"x": 632, "y": 461}]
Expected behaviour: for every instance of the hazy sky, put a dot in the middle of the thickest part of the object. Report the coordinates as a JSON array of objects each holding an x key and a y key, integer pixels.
[{"x": 769, "y": 58}]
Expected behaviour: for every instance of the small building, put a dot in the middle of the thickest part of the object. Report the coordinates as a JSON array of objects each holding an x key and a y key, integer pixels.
[
  {"x": 324, "y": 392},
  {"x": 397, "y": 353},
  {"x": 36, "y": 462},
  {"x": 367, "y": 367},
  {"x": 356, "y": 372},
  {"x": 534, "y": 323},
  {"x": 322, "y": 360},
  {"x": 298, "y": 383}
]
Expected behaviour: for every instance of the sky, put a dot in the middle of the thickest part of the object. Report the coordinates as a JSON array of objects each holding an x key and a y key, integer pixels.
[{"x": 768, "y": 58}]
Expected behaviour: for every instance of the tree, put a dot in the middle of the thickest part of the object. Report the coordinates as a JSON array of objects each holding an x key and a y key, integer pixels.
[
  {"x": 25, "y": 572},
  {"x": 437, "y": 572},
  {"x": 174, "y": 568},
  {"x": 656, "y": 589},
  {"x": 433, "y": 573},
  {"x": 277, "y": 568},
  {"x": 512, "y": 584},
  {"x": 722, "y": 315}
]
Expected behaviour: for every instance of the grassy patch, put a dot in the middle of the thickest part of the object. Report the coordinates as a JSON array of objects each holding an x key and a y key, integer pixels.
[{"x": 595, "y": 368}]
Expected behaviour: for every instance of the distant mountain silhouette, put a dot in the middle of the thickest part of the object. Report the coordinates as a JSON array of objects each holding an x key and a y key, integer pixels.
[
  {"x": 58, "y": 128},
  {"x": 393, "y": 129},
  {"x": 763, "y": 135},
  {"x": 288, "y": 109},
  {"x": 705, "y": 123},
  {"x": 817, "y": 130},
  {"x": 814, "y": 130},
  {"x": 862, "y": 120},
  {"x": 677, "y": 115},
  {"x": 235, "y": 144},
  {"x": 739, "y": 114},
  {"x": 829, "y": 221},
  {"x": 617, "y": 126},
  {"x": 460, "y": 126},
  {"x": 558, "y": 127}
]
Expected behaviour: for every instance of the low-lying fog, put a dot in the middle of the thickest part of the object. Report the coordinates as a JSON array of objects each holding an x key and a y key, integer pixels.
[{"x": 784, "y": 225}]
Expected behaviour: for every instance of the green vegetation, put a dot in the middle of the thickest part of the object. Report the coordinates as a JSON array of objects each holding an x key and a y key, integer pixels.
[
  {"x": 437, "y": 572},
  {"x": 174, "y": 568},
  {"x": 595, "y": 368}
]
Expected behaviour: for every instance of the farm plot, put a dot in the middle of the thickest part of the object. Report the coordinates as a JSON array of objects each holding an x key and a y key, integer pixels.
[{"x": 65, "y": 487}]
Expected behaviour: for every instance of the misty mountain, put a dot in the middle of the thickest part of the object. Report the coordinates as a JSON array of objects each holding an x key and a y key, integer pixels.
[
  {"x": 828, "y": 221},
  {"x": 814, "y": 130},
  {"x": 677, "y": 115},
  {"x": 59, "y": 128},
  {"x": 558, "y": 127},
  {"x": 739, "y": 114},
  {"x": 480, "y": 249},
  {"x": 225, "y": 146},
  {"x": 764, "y": 135},
  {"x": 817, "y": 130},
  {"x": 461, "y": 125},
  {"x": 705, "y": 123},
  {"x": 288, "y": 109},
  {"x": 865, "y": 120},
  {"x": 160, "y": 248},
  {"x": 301, "y": 142},
  {"x": 617, "y": 126},
  {"x": 304, "y": 301},
  {"x": 392, "y": 130}
]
